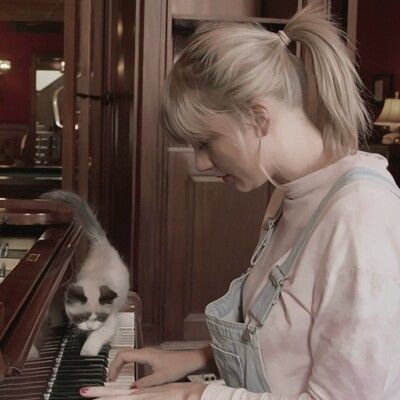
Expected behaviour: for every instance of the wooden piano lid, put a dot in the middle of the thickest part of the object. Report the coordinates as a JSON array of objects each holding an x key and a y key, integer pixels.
[
  {"x": 33, "y": 212},
  {"x": 26, "y": 294}
]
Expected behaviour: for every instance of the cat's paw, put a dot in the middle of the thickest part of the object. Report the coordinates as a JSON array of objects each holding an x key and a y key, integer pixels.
[{"x": 90, "y": 349}]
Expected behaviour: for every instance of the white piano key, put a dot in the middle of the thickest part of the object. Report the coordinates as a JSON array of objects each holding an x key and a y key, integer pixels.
[{"x": 124, "y": 338}]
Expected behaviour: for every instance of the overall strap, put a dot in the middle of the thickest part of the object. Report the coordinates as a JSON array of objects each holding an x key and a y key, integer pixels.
[
  {"x": 270, "y": 294},
  {"x": 269, "y": 226}
]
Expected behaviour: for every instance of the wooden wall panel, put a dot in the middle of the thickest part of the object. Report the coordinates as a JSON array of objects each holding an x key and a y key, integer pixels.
[
  {"x": 225, "y": 229},
  {"x": 212, "y": 230},
  {"x": 151, "y": 176}
]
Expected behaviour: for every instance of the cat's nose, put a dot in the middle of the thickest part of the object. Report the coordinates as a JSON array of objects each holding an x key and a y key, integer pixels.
[{"x": 90, "y": 324}]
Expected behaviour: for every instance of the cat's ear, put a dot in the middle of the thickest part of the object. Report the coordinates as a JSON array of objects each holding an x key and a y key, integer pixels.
[
  {"x": 107, "y": 295},
  {"x": 75, "y": 294}
]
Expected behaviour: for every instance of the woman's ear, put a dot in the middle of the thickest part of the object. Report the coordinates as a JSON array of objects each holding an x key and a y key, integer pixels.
[{"x": 261, "y": 117}]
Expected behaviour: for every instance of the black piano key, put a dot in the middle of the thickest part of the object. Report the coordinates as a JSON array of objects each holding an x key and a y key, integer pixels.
[
  {"x": 66, "y": 377},
  {"x": 73, "y": 371},
  {"x": 82, "y": 361},
  {"x": 70, "y": 397}
]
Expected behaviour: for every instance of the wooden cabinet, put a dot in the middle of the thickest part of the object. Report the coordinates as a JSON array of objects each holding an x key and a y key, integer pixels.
[{"x": 195, "y": 233}]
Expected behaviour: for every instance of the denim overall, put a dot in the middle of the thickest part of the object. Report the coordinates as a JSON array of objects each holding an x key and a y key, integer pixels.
[{"x": 235, "y": 344}]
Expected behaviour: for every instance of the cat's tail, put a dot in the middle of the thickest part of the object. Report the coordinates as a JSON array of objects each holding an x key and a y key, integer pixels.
[{"x": 82, "y": 213}]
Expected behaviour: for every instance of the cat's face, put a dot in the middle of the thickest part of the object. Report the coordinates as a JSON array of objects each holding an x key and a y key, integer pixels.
[{"x": 88, "y": 306}]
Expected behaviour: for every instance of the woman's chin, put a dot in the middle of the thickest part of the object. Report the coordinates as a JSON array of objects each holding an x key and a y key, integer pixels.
[
  {"x": 247, "y": 186},
  {"x": 242, "y": 186}
]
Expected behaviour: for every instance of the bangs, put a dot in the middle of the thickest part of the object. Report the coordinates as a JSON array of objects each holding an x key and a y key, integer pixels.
[{"x": 183, "y": 114}]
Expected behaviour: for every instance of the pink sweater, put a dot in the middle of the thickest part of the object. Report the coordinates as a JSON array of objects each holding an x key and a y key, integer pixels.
[{"x": 334, "y": 334}]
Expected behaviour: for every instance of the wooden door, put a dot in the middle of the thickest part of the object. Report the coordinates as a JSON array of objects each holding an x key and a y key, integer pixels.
[
  {"x": 84, "y": 97},
  {"x": 99, "y": 135},
  {"x": 119, "y": 151}
]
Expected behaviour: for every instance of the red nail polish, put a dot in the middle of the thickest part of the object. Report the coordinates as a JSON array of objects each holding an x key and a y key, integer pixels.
[
  {"x": 83, "y": 391},
  {"x": 133, "y": 386}
]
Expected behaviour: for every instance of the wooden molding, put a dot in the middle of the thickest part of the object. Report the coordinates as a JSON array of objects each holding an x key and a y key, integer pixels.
[{"x": 32, "y": 10}]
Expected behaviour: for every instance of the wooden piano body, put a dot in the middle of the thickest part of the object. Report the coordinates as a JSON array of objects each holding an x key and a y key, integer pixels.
[{"x": 40, "y": 249}]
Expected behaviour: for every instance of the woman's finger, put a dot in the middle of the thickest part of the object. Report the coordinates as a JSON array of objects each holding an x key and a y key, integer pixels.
[
  {"x": 120, "y": 359},
  {"x": 127, "y": 356},
  {"x": 122, "y": 397},
  {"x": 99, "y": 391},
  {"x": 155, "y": 379}
]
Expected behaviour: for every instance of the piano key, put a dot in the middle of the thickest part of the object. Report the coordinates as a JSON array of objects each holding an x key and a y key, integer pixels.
[
  {"x": 62, "y": 370},
  {"x": 72, "y": 371}
]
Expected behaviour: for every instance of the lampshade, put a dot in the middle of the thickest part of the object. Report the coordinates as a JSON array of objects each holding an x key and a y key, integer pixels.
[
  {"x": 5, "y": 66},
  {"x": 390, "y": 115}
]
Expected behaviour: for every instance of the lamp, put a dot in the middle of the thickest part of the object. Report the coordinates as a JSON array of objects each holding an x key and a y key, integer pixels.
[
  {"x": 390, "y": 116},
  {"x": 5, "y": 66}
]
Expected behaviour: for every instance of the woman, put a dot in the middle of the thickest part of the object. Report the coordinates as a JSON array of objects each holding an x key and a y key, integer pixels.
[{"x": 317, "y": 315}]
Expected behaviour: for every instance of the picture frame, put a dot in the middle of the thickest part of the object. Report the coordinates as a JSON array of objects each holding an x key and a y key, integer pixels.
[{"x": 382, "y": 87}]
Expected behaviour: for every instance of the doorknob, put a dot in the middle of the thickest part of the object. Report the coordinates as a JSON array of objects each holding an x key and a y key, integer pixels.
[{"x": 106, "y": 98}]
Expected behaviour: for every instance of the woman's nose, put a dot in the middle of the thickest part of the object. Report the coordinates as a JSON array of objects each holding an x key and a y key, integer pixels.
[{"x": 203, "y": 161}]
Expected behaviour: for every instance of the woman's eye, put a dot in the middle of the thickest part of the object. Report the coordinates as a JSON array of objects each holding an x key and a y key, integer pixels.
[{"x": 202, "y": 145}]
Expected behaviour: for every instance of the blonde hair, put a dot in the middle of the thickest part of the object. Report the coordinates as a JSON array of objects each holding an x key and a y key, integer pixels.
[{"x": 228, "y": 65}]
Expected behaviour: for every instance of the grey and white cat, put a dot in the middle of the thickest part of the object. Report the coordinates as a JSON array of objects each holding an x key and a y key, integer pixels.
[{"x": 102, "y": 284}]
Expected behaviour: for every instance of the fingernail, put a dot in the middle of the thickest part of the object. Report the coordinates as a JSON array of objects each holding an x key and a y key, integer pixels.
[
  {"x": 133, "y": 386},
  {"x": 83, "y": 391}
]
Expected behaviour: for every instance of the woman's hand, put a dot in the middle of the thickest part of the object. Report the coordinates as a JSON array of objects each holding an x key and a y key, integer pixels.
[
  {"x": 172, "y": 391},
  {"x": 167, "y": 365}
]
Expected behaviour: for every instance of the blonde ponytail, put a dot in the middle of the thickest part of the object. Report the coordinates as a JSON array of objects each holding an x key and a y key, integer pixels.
[{"x": 344, "y": 113}]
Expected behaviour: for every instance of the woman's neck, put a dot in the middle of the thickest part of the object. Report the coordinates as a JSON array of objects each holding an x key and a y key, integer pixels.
[{"x": 294, "y": 146}]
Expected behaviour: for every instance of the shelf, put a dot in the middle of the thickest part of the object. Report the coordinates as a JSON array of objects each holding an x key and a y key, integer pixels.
[
  {"x": 183, "y": 26},
  {"x": 261, "y": 20}
]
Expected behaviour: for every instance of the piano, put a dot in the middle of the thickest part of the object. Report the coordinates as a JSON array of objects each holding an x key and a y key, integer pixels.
[{"x": 40, "y": 249}]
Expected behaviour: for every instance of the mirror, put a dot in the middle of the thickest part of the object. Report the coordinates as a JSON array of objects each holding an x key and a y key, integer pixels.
[
  {"x": 31, "y": 80},
  {"x": 49, "y": 72}
]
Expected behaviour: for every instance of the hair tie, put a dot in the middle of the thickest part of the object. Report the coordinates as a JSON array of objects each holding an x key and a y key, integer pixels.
[{"x": 285, "y": 38}]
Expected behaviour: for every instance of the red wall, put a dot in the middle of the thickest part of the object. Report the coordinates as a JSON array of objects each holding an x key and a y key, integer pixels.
[
  {"x": 16, "y": 86},
  {"x": 378, "y": 38}
]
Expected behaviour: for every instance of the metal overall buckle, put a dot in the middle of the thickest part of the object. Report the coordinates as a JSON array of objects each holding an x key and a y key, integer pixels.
[
  {"x": 250, "y": 329},
  {"x": 277, "y": 278},
  {"x": 264, "y": 242}
]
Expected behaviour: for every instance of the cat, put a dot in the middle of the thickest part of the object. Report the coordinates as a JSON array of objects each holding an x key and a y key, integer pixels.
[{"x": 102, "y": 284}]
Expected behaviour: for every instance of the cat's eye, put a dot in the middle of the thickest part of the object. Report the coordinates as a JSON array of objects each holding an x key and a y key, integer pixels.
[
  {"x": 79, "y": 318},
  {"x": 101, "y": 317}
]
